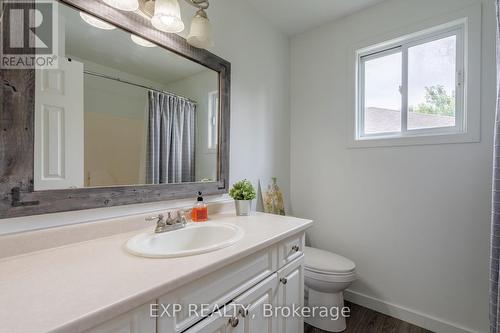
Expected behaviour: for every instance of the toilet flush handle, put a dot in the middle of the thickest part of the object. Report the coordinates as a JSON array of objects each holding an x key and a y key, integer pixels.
[{"x": 284, "y": 280}]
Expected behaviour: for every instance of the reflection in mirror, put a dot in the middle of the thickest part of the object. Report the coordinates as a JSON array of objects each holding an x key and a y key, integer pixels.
[{"x": 120, "y": 110}]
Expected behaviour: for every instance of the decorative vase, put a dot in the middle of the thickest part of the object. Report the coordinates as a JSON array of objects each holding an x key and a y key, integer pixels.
[{"x": 243, "y": 207}]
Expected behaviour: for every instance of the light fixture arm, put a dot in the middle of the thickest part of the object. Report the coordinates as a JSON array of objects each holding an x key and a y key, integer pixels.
[{"x": 201, "y": 4}]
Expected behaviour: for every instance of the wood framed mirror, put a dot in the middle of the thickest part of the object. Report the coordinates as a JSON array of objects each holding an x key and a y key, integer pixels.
[{"x": 116, "y": 92}]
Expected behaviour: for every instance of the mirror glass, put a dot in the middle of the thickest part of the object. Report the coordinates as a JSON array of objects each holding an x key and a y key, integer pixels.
[{"x": 120, "y": 110}]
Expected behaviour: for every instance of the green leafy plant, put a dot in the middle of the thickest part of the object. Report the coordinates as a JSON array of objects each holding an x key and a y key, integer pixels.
[
  {"x": 242, "y": 190},
  {"x": 437, "y": 102}
]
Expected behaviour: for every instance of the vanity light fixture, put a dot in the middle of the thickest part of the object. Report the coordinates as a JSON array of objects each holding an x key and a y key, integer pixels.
[
  {"x": 95, "y": 22},
  {"x": 126, "y": 5},
  {"x": 200, "y": 34},
  {"x": 165, "y": 15},
  {"x": 141, "y": 41}
]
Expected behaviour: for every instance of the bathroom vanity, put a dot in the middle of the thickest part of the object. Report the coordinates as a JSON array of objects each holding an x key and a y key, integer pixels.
[{"x": 44, "y": 291}]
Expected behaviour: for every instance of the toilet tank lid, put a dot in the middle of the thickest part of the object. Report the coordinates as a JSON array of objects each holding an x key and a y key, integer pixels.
[{"x": 325, "y": 261}]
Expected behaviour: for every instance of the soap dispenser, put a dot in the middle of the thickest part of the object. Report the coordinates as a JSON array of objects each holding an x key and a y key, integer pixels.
[{"x": 199, "y": 212}]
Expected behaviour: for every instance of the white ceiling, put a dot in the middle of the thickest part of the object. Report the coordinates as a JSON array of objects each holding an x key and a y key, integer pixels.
[{"x": 296, "y": 16}]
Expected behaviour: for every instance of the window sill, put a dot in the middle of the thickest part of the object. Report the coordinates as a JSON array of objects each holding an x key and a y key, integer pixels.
[{"x": 396, "y": 141}]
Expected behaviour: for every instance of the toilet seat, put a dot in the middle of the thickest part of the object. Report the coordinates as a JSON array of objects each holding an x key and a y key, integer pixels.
[
  {"x": 323, "y": 263},
  {"x": 329, "y": 277}
]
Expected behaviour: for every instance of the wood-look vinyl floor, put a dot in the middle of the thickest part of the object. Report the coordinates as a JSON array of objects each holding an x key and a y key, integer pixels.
[{"x": 363, "y": 320}]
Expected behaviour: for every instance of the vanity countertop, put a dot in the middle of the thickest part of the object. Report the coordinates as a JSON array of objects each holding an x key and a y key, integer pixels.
[{"x": 75, "y": 287}]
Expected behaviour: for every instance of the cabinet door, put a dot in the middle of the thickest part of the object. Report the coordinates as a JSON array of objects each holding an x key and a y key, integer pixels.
[
  {"x": 135, "y": 321},
  {"x": 251, "y": 307},
  {"x": 290, "y": 294},
  {"x": 224, "y": 321}
]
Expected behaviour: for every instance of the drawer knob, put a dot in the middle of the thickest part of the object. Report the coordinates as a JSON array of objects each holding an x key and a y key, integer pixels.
[
  {"x": 295, "y": 248},
  {"x": 243, "y": 312},
  {"x": 283, "y": 280},
  {"x": 234, "y": 321}
]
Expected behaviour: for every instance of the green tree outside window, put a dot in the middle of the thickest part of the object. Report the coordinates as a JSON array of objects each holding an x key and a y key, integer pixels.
[{"x": 437, "y": 102}]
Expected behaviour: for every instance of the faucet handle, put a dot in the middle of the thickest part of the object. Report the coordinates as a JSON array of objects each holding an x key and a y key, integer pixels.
[
  {"x": 158, "y": 217},
  {"x": 160, "y": 223},
  {"x": 170, "y": 220},
  {"x": 170, "y": 223}
]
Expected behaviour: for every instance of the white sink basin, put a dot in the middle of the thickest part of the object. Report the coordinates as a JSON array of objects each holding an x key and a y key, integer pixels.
[{"x": 195, "y": 238}]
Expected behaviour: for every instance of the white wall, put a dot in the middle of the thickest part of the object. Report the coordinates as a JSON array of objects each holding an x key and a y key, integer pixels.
[
  {"x": 260, "y": 121},
  {"x": 414, "y": 219},
  {"x": 260, "y": 82}
]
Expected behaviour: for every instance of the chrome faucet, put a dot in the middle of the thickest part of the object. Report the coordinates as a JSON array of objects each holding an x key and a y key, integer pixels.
[{"x": 170, "y": 223}]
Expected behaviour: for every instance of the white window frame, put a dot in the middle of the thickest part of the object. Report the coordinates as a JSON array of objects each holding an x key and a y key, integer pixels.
[
  {"x": 470, "y": 21},
  {"x": 402, "y": 47}
]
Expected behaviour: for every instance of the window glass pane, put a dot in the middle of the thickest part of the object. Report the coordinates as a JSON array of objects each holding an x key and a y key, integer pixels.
[
  {"x": 382, "y": 94},
  {"x": 431, "y": 84}
]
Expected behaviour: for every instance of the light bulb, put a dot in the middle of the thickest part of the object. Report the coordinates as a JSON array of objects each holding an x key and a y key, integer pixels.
[
  {"x": 167, "y": 17},
  {"x": 126, "y": 5},
  {"x": 141, "y": 41},
  {"x": 200, "y": 34},
  {"x": 95, "y": 22}
]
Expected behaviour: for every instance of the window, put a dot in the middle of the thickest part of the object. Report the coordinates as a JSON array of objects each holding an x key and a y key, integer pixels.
[
  {"x": 413, "y": 86},
  {"x": 213, "y": 119}
]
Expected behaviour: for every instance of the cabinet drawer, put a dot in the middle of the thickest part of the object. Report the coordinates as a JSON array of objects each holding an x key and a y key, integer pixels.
[
  {"x": 291, "y": 249},
  {"x": 217, "y": 288}
]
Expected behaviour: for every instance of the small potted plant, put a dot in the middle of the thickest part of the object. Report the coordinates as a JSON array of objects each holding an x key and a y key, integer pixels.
[{"x": 243, "y": 193}]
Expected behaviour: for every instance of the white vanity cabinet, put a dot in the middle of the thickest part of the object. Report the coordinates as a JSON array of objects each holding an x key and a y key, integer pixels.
[
  {"x": 247, "y": 313},
  {"x": 240, "y": 291}
]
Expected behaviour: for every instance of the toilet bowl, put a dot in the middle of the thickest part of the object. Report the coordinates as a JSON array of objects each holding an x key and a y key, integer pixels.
[{"x": 326, "y": 276}]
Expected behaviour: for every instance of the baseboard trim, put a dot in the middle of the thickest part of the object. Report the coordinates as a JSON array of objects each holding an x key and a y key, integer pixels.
[{"x": 413, "y": 317}]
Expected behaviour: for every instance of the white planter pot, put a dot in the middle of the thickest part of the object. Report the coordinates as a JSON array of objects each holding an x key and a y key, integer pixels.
[{"x": 243, "y": 207}]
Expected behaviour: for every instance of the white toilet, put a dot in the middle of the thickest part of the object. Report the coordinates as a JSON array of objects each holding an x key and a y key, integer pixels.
[{"x": 326, "y": 276}]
